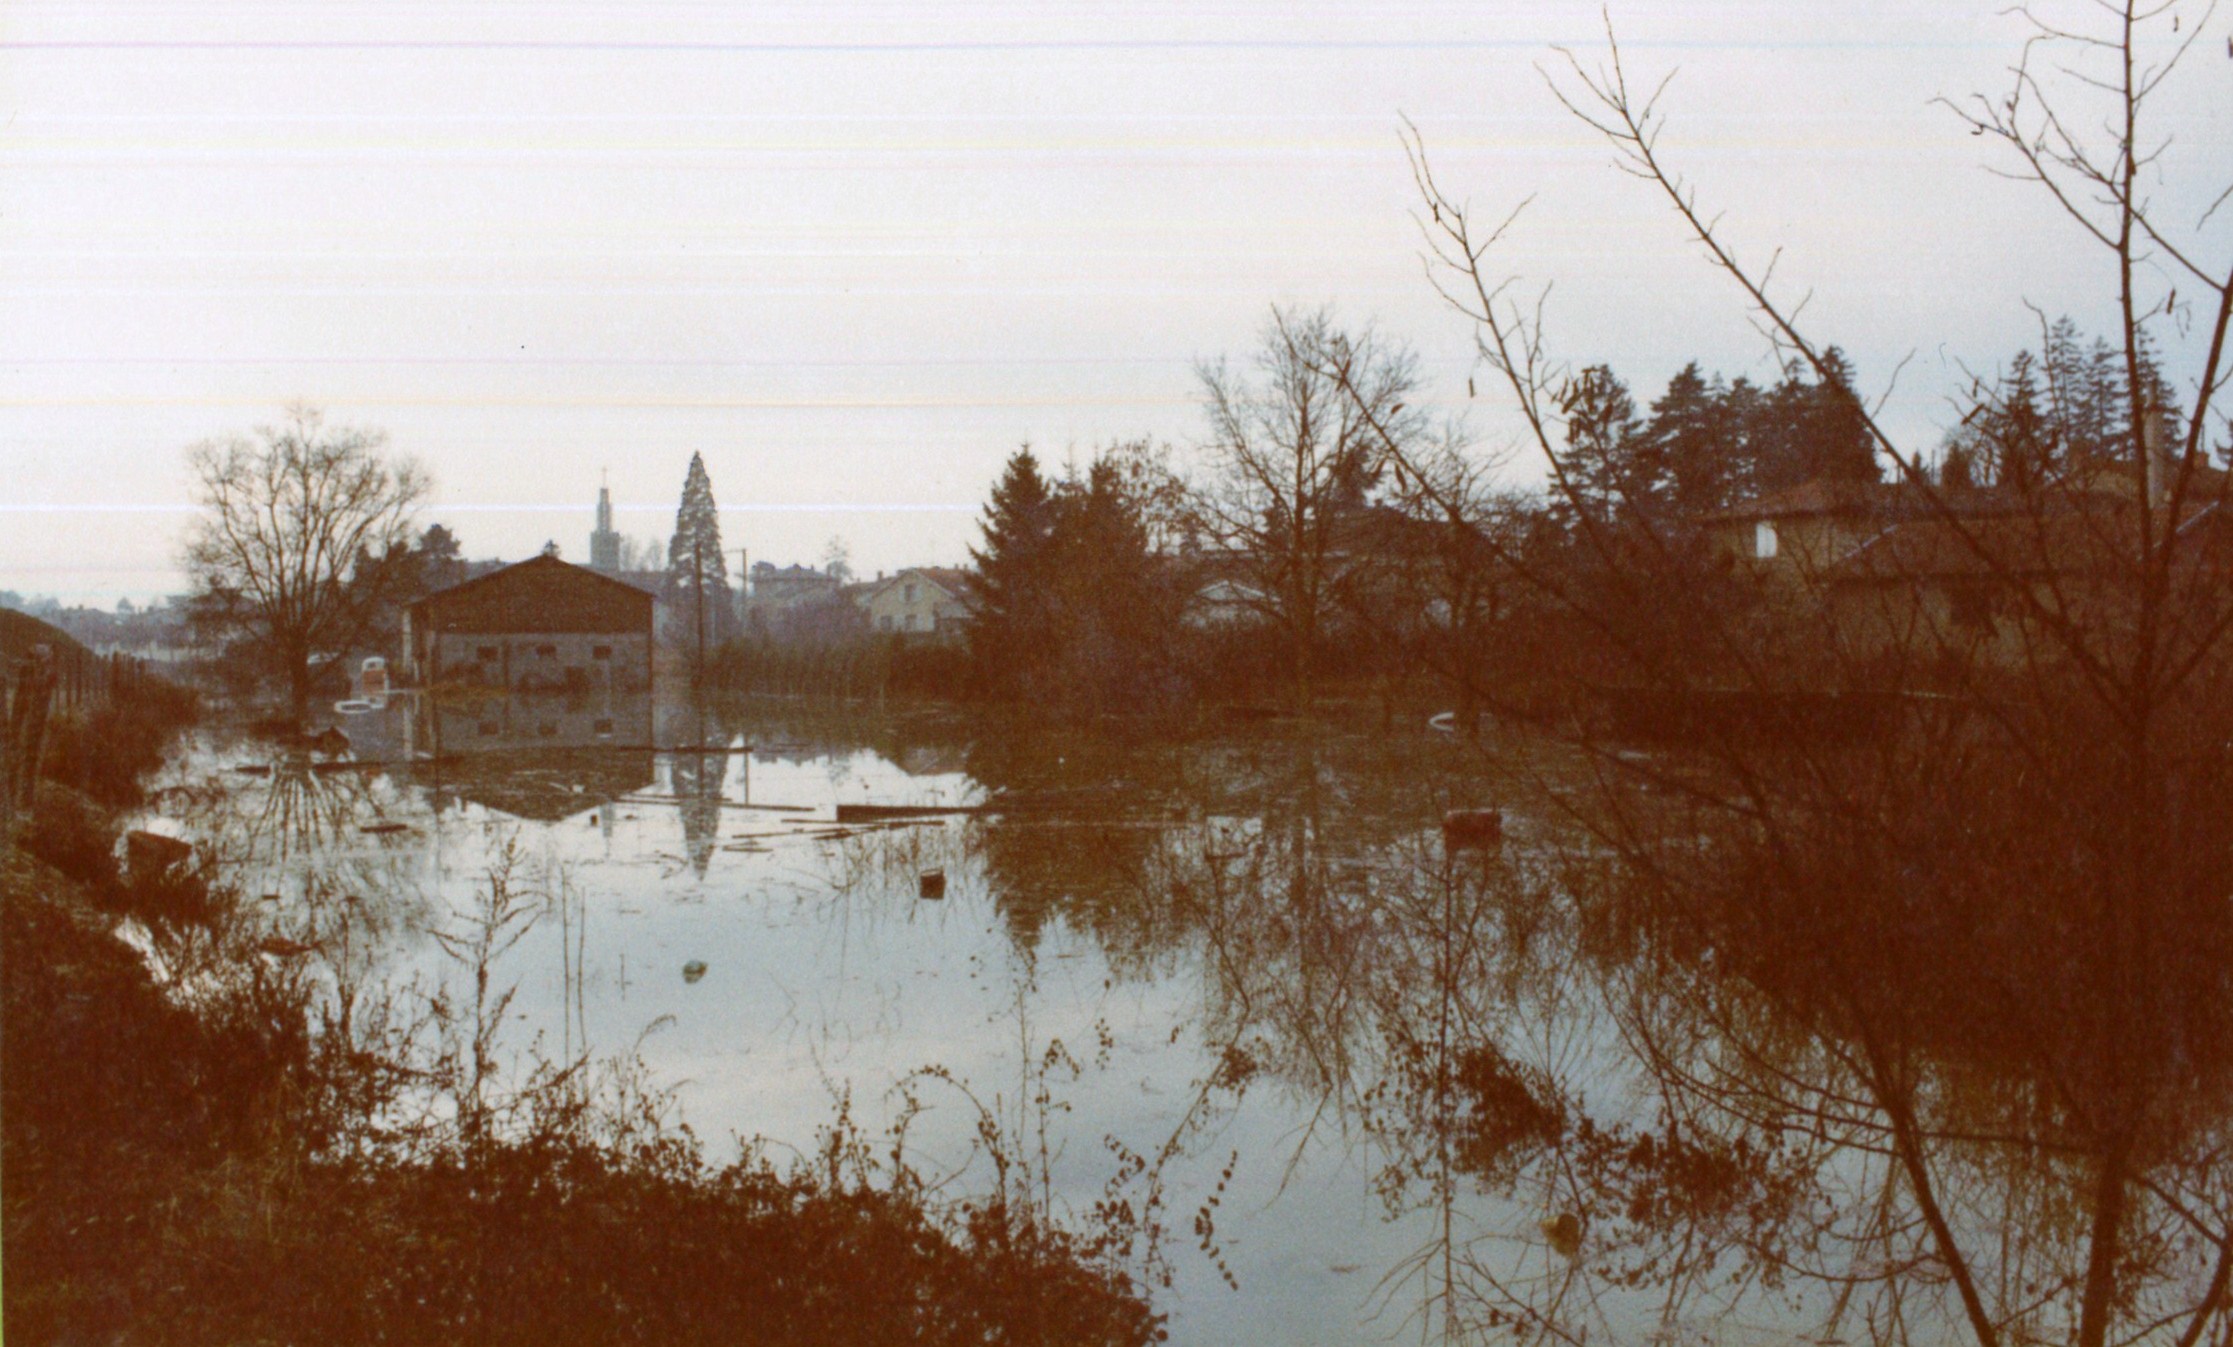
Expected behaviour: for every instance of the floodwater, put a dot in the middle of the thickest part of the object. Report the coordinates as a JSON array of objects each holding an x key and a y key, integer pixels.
[
  {"x": 1643, "y": 1070},
  {"x": 1135, "y": 965}
]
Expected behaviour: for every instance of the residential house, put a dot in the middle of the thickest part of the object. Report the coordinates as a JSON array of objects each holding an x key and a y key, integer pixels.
[
  {"x": 540, "y": 625},
  {"x": 927, "y": 601},
  {"x": 1939, "y": 571}
]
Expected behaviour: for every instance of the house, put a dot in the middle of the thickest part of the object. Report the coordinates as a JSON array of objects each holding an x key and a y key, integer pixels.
[
  {"x": 540, "y": 625},
  {"x": 1932, "y": 571},
  {"x": 921, "y": 600},
  {"x": 1227, "y": 603},
  {"x": 1809, "y": 526},
  {"x": 774, "y": 586}
]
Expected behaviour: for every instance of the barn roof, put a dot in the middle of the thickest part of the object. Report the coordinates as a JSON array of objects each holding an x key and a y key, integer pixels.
[{"x": 541, "y": 594}]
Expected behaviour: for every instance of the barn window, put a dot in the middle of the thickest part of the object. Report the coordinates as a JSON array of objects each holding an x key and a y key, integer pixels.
[
  {"x": 604, "y": 727},
  {"x": 1764, "y": 539},
  {"x": 489, "y": 727},
  {"x": 601, "y": 652},
  {"x": 486, "y": 654},
  {"x": 547, "y": 730},
  {"x": 547, "y": 651}
]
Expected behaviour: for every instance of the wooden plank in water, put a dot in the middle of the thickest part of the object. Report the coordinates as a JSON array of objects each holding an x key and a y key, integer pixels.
[{"x": 877, "y": 813}]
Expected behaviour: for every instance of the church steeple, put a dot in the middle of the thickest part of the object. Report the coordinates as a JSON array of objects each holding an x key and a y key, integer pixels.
[{"x": 604, "y": 544}]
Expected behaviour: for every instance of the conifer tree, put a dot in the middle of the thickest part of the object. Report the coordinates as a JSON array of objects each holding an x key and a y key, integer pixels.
[
  {"x": 1010, "y": 589},
  {"x": 1692, "y": 439},
  {"x": 1115, "y": 611},
  {"x": 1607, "y": 472},
  {"x": 2018, "y": 436},
  {"x": 697, "y": 569}
]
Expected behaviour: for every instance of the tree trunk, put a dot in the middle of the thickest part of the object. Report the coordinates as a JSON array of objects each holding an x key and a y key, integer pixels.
[{"x": 2106, "y": 1242}]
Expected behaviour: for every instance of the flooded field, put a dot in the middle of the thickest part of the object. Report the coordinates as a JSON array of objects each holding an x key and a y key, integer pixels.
[
  {"x": 1301, "y": 1036},
  {"x": 1161, "y": 980}
]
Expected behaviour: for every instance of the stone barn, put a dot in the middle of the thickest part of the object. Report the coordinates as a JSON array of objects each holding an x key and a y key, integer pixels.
[{"x": 540, "y": 626}]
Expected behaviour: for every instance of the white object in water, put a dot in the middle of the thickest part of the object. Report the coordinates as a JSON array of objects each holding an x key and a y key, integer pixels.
[{"x": 353, "y": 707}]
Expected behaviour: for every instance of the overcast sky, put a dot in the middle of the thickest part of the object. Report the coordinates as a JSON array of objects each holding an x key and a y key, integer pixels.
[{"x": 855, "y": 254}]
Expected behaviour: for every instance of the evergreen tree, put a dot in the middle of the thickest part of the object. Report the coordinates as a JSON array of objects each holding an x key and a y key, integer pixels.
[
  {"x": 1010, "y": 588},
  {"x": 697, "y": 570},
  {"x": 1115, "y": 613},
  {"x": 1692, "y": 442},
  {"x": 440, "y": 560},
  {"x": 1804, "y": 429},
  {"x": 1605, "y": 465},
  {"x": 2017, "y": 437},
  {"x": 1837, "y": 441},
  {"x": 1957, "y": 470}
]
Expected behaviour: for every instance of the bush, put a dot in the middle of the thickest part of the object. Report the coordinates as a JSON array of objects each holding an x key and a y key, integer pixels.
[
  {"x": 224, "y": 1174},
  {"x": 106, "y": 750}
]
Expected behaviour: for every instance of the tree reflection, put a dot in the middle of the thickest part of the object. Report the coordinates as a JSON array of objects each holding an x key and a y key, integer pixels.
[
  {"x": 1692, "y": 1057},
  {"x": 697, "y": 772}
]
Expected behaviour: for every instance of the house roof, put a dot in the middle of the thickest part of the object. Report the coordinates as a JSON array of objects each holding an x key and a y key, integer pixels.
[
  {"x": 1817, "y": 496},
  {"x": 2091, "y": 534},
  {"x": 540, "y": 594},
  {"x": 1887, "y": 502},
  {"x": 952, "y": 580}
]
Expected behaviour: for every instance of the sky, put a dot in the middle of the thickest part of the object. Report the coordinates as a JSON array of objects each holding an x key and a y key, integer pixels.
[{"x": 856, "y": 254}]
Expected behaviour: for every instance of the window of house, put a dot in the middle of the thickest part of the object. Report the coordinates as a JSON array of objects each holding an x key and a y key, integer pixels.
[
  {"x": 908, "y": 594},
  {"x": 914, "y": 621},
  {"x": 604, "y": 727},
  {"x": 547, "y": 730},
  {"x": 884, "y": 623},
  {"x": 601, "y": 652},
  {"x": 486, "y": 654},
  {"x": 1764, "y": 539},
  {"x": 488, "y": 727},
  {"x": 547, "y": 651}
]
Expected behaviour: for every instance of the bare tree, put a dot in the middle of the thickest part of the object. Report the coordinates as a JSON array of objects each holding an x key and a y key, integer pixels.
[
  {"x": 287, "y": 514},
  {"x": 1292, "y": 454},
  {"x": 1923, "y": 921},
  {"x": 642, "y": 554}
]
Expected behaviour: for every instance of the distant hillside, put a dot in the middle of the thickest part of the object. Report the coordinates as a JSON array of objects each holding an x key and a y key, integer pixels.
[{"x": 21, "y": 631}]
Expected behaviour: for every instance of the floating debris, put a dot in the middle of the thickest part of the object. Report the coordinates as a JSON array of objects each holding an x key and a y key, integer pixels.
[
  {"x": 385, "y": 827},
  {"x": 693, "y": 970},
  {"x": 1481, "y": 829},
  {"x": 878, "y": 813},
  {"x": 933, "y": 884},
  {"x": 150, "y": 856},
  {"x": 280, "y": 946}
]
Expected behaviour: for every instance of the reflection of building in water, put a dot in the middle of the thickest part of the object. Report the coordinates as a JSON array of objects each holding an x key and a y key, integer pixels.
[
  {"x": 542, "y": 625},
  {"x": 534, "y": 757},
  {"x": 452, "y": 723}
]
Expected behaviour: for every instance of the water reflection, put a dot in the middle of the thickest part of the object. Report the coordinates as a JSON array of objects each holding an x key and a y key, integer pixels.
[{"x": 1328, "y": 1078}]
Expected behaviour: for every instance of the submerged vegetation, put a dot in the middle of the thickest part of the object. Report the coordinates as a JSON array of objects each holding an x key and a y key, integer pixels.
[{"x": 212, "y": 1135}]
